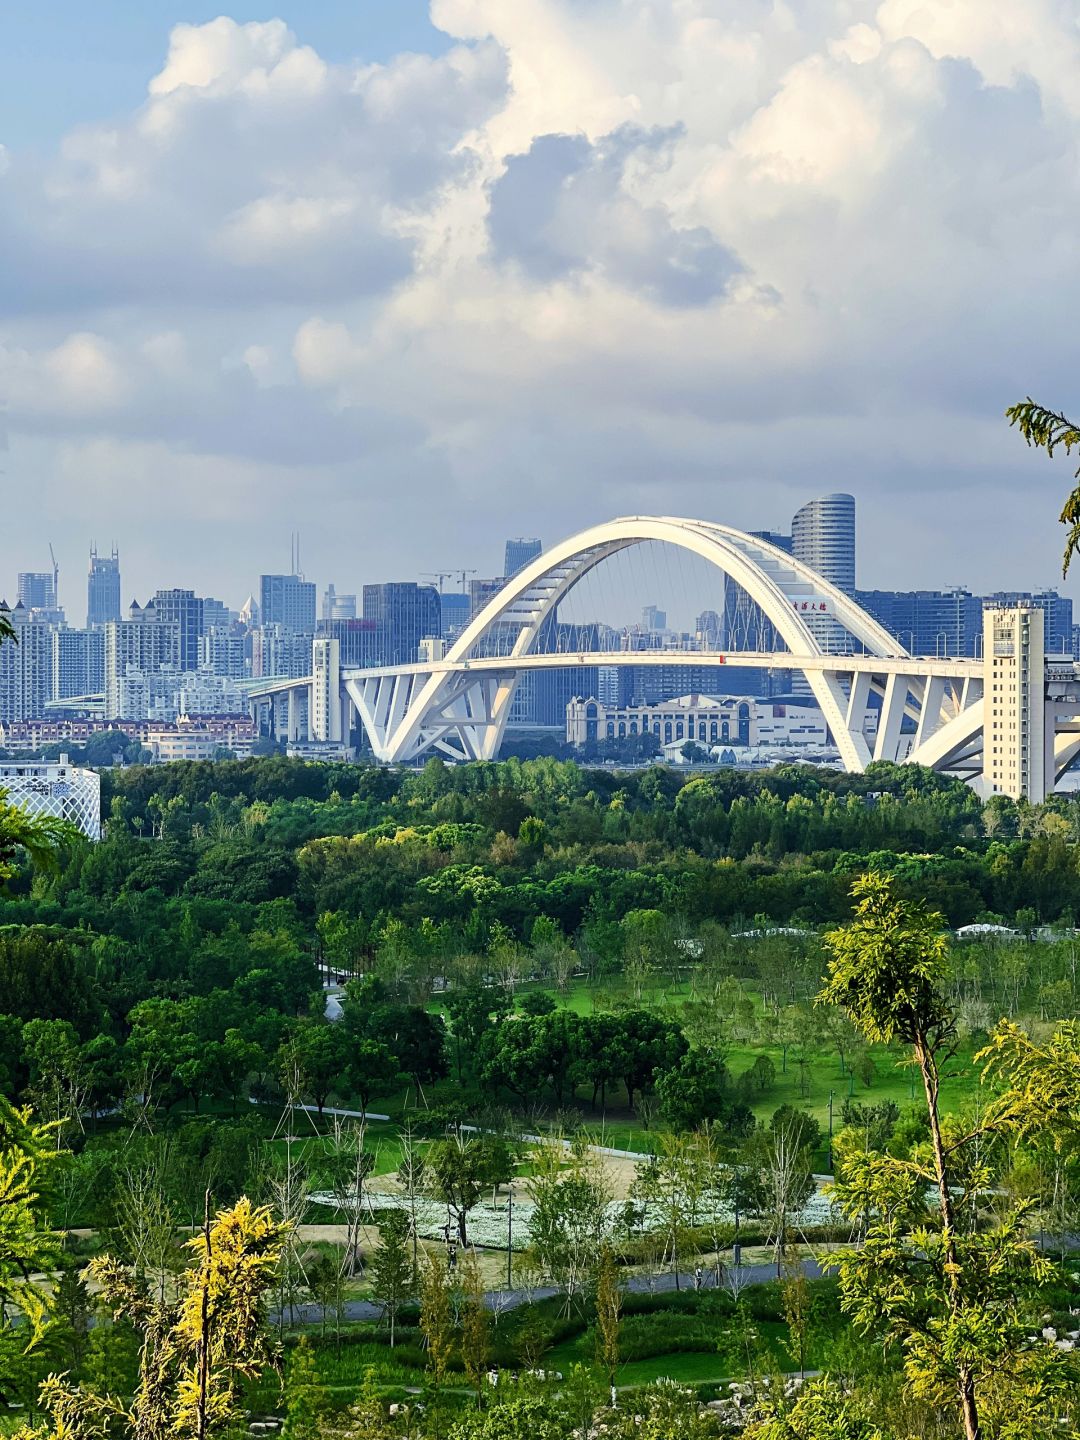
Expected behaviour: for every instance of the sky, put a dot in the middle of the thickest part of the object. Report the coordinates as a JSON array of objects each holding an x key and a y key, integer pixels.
[{"x": 415, "y": 278}]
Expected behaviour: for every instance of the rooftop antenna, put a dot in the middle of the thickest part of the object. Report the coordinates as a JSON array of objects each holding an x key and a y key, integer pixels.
[{"x": 55, "y": 575}]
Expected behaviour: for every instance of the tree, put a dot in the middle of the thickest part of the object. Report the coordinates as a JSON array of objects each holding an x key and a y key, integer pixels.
[
  {"x": 698, "y": 1089},
  {"x": 608, "y": 1307},
  {"x": 306, "y": 1399},
  {"x": 473, "y": 1009},
  {"x": 647, "y": 1044},
  {"x": 1050, "y": 430},
  {"x": 436, "y": 1326},
  {"x": 953, "y": 1297},
  {"x": 821, "y": 1412},
  {"x": 326, "y": 1281},
  {"x": 570, "y": 1224},
  {"x": 196, "y": 1352},
  {"x": 349, "y": 1163},
  {"x": 40, "y": 836},
  {"x": 391, "y": 1270},
  {"x": 411, "y": 1178},
  {"x": 59, "y": 1080},
  {"x": 784, "y": 1178},
  {"x": 372, "y": 1069},
  {"x": 475, "y": 1326},
  {"x": 28, "y": 1170},
  {"x": 145, "y": 1218},
  {"x": 456, "y": 1174},
  {"x": 320, "y": 1052}
]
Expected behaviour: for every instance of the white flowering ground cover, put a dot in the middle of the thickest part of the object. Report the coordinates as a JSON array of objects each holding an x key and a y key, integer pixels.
[{"x": 488, "y": 1224}]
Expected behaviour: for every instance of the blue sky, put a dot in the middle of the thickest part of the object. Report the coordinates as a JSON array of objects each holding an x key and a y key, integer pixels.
[{"x": 65, "y": 62}]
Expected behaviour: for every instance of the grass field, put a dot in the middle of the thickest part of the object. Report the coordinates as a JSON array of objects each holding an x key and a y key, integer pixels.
[{"x": 820, "y": 1079}]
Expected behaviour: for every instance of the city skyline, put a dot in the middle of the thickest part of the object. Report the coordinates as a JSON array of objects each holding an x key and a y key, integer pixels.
[
  {"x": 371, "y": 273},
  {"x": 822, "y": 532}
]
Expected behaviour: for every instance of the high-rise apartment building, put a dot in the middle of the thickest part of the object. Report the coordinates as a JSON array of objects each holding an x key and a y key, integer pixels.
[
  {"x": 103, "y": 589},
  {"x": 78, "y": 663},
  {"x": 216, "y": 614},
  {"x": 823, "y": 537},
  {"x": 37, "y": 589},
  {"x": 404, "y": 614},
  {"x": 141, "y": 643},
  {"x": 455, "y": 607},
  {"x": 519, "y": 553},
  {"x": 26, "y": 669},
  {"x": 326, "y": 708},
  {"x": 288, "y": 600},
  {"x": 184, "y": 609},
  {"x": 278, "y": 651},
  {"x": 1017, "y": 751},
  {"x": 221, "y": 652}
]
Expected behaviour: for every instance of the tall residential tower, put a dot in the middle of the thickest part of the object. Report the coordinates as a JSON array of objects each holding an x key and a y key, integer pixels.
[{"x": 103, "y": 589}]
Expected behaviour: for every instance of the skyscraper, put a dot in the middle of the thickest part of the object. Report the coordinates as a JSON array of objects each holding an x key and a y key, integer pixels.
[
  {"x": 518, "y": 554},
  {"x": 823, "y": 537},
  {"x": 103, "y": 589},
  {"x": 928, "y": 622},
  {"x": 37, "y": 589},
  {"x": 288, "y": 600},
  {"x": 140, "y": 644},
  {"x": 184, "y": 609},
  {"x": 78, "y": 662},
  {"x": 26, "y": 668},
  {"x": 338, "y": 607},
  {"x": 404, "y": 614}
]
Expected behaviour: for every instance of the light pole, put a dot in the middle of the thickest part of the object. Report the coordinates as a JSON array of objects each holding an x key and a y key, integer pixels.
[
  {"x": 510, "y": 1240},
  {"x": 831, "y": 1094}
]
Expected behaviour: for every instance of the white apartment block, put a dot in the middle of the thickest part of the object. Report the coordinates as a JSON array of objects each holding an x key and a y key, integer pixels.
[
  {"x": 136, "y": 647},
  {"x": 25, "y": 670},
  {"x": 326, "y": 703},
  {"x": 221, "y": 651},
  {"x": 1018, "y": 747}
]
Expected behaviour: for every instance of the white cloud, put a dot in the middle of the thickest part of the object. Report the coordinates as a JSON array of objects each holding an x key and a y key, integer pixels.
[{"x": 600, "y": 251}]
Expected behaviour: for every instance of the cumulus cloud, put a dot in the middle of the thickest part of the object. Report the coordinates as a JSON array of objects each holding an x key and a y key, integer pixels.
[
  {"x": 600, "y": 254},
  {"x": 565, "y": 208}
]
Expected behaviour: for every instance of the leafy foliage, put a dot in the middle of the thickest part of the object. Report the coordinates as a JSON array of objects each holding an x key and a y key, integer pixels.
[{"x": 1049, "y": 430}]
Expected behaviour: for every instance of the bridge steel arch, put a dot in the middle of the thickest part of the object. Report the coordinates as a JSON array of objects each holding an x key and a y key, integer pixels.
[{"x": 459, "y": 705}]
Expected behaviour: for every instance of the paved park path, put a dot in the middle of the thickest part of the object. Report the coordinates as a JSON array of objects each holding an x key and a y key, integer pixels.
[{"x": 499, "y": 1301}]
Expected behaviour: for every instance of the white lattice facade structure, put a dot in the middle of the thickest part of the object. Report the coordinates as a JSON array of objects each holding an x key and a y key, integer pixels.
[{"x": 56, "y": 788}]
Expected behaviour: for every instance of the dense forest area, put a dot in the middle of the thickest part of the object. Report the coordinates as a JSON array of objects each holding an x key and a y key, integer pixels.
[{"x": 622, "y": 1091}]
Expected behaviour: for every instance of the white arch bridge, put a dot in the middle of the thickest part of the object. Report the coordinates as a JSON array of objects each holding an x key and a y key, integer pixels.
[{"x": 929, "y": 710}]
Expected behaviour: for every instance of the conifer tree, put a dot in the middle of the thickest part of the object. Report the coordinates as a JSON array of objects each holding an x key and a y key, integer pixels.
[
  {"x": 391, "y": 1270},
  {"x": 196, "y": 1352}
]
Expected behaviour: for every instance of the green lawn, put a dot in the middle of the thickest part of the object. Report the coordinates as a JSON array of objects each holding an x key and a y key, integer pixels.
[{"x": 692, "y": 1367}]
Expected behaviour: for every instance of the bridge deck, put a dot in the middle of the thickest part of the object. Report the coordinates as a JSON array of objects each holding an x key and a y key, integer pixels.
[{"x": 949, "y": 668}]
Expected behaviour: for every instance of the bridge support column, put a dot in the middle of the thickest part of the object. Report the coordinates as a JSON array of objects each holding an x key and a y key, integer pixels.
[
  {"x": 834, "y": 704},
  {"x": 892, "y": 717}
]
